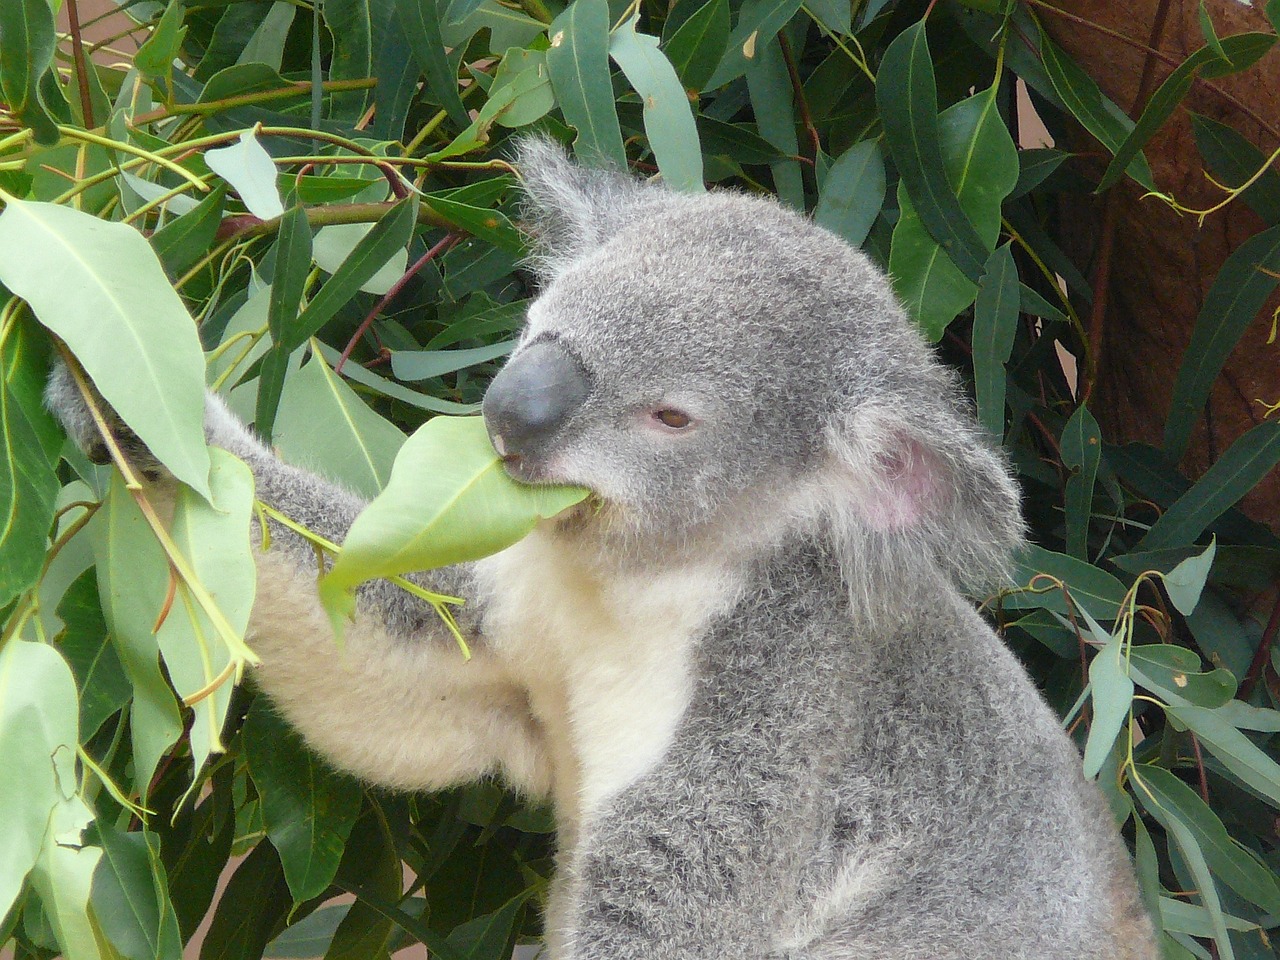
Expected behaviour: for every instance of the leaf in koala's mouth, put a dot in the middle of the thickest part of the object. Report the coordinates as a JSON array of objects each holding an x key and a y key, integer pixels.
[{"x": 450, "y": 499}]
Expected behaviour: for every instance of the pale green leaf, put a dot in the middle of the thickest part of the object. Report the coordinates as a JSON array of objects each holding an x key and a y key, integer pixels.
[
  {"x": 1112, "y": 696},
  {"x": 99, "y": 287},
  {"x": 449, "y": 500},
  {"x": 668, "y": 117},
  {"x": 252, "y": 174},
  {"x": 38, "y": 737},
  {"x": 325, "y": 425}
]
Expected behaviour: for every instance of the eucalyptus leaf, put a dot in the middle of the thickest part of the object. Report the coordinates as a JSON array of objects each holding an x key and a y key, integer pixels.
[
  {"x": 38, "y": 738},
  {"x": 308, "y": 808},
  {"x": 449, "y": 500},
  {"x": 99, "y": 287},
  {"x": 578, "y": 62},
  {"x": 324, "y": 424},
  {"x": 1112, "y": 692},
  {"x": 252, "y": 174},
  {"x": 668, "y": 120}
]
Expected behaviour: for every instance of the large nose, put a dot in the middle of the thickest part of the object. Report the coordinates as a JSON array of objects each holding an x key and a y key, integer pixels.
[{"x": 532, "y": 397}]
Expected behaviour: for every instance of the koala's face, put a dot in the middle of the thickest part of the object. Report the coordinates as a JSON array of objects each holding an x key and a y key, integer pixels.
[{"x": 689, "y": 364}]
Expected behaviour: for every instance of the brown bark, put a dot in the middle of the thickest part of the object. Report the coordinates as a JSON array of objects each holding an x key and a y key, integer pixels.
[{"x": 1162, "y": 263}]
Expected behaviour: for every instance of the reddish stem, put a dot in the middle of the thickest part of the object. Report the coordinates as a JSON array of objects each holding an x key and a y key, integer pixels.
[
  {"x": 1263, "y": 654},
  {"x": 82, "y": 66},
  {"x": 367, "y": 322}
]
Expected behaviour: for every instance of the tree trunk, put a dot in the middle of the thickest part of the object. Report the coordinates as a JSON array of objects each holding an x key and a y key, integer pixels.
[{"x": 1162, "y": 263}]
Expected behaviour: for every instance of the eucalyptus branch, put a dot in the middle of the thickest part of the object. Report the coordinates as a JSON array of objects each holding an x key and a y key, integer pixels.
[
  {"x": 438, "y": 601},
  {"x": 240, "y": 652}
]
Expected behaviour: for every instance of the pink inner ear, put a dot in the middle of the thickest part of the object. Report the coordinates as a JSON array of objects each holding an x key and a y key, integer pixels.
[{"x": 905, "y": 490}]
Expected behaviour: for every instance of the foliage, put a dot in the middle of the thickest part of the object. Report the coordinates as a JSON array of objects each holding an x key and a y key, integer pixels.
[{"x": 326, "y": 196}]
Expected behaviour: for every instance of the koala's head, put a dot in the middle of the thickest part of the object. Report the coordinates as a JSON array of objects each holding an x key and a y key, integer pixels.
[{"x": 712, "y": 360}]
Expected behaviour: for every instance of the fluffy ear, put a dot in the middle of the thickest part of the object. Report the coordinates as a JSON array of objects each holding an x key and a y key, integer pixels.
[
  {"x": 924, "y": 486},
  {"x": 571, "y": 209}
]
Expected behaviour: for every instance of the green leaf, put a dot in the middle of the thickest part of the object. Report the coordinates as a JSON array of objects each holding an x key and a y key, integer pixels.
[
  {"x": 1173, "y": 673},
  {"x": 271, "y": 377},
  {"x": 293, "y": 263},
  {"x": 28, "y": 484},
  {"x": 133, "y": 579},
  {"x": 1081, "y": 447},
  {"x": 835, "y": 15},
  {"x": 908, "y": 101},
  {"x": 696, "y": 46},
  {"x": 668, "y": 117},
  {"x": 1187, "y": 838},
  {"x": 266, "y": 44},
  {"x": 38, "y": 738},
  {"x": 1034, "y": 167},
  {"x": 396, "y": 391},
  {"x": 769, "y": 86},
  {"x": 852, "y": 193},
  {"x": 1093, "y": 589},
  {"x": 1185, "y": 582},
  {"x": 420, "y": 20},
  {"x": 131, "y": 896},
  {"x": 27, "y": 42},
  {"x": 758, "y": 23},
  {"x": 324, "y": 424},
  {"x": 352, "y": 24},
  {"x": 62, "y": 878},
  {"x": 249, "y": 169},
  {"x": 240, "y": 79},
  {"x": 578, "y": 61},
  {"x": 1233, "y": 475},
  {"x": 247, "y": 911},
  {"x": 155, "y": 57},
  {"x": 1234, "y": 54},
  {"x": 214, "y": 537},
  {"x": 100, "y": 678},
  {"x": 308, "y": 809},
  {"x": 332, "y": 245},
  {"x": 981, "y": 163},
  {"x": 1232, "y": 159},
  {"x": 995, "y": 321},
  {"x": 489, "y": 225},
  {"x": 1112, "y": 693},
  {"x": 1239, "y": 291},
  {"x": 449, "y": 500},
  {"x": 99, "y": 287},
  {"x": 525, "y": 73},
  {"x": 184, "y": 240},
  {"x": 1082, "y": 98},
  {"x": 388, "y": 237},
  {"x": 1210, "y": 35},
  {"x": 1236, "y": 751},
  {"x": 426, "y": 364},
  {"x": 489, "y": 935}
]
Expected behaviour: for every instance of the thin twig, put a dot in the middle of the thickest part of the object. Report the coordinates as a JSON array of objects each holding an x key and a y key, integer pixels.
[
  {"x": 1204, "y": 780},
  {"x": 82, "y": 66},
  {"x": 806, "y": 117},
  {"x": 439, "y": 248},
  {"x": 1101, "y": 282},
  {"x": 1262, "y": 655}
]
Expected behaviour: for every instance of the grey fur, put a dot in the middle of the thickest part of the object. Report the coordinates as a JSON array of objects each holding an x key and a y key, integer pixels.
[{"x": 861, "y": 770}]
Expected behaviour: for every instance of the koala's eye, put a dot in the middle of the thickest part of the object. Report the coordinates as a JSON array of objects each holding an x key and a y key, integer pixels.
[{"x": 670, "y": 417}]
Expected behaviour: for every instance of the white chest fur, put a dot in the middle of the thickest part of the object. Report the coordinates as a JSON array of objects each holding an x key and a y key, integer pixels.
[{"x": 607, "y": 659}]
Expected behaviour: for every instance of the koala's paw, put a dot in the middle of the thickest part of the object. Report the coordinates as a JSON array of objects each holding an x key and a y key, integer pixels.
[{"x": 65, "y": 401}]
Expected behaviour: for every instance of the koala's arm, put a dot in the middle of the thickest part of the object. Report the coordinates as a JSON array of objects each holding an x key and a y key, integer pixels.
[{"x": 396, "y": 704}]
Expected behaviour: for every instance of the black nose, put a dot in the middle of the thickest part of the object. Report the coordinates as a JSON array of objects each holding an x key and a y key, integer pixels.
[{"x": 532, "y": 397}]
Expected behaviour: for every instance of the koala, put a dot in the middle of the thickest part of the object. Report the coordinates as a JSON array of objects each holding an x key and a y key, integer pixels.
[{"x": 746, "y": 675}]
